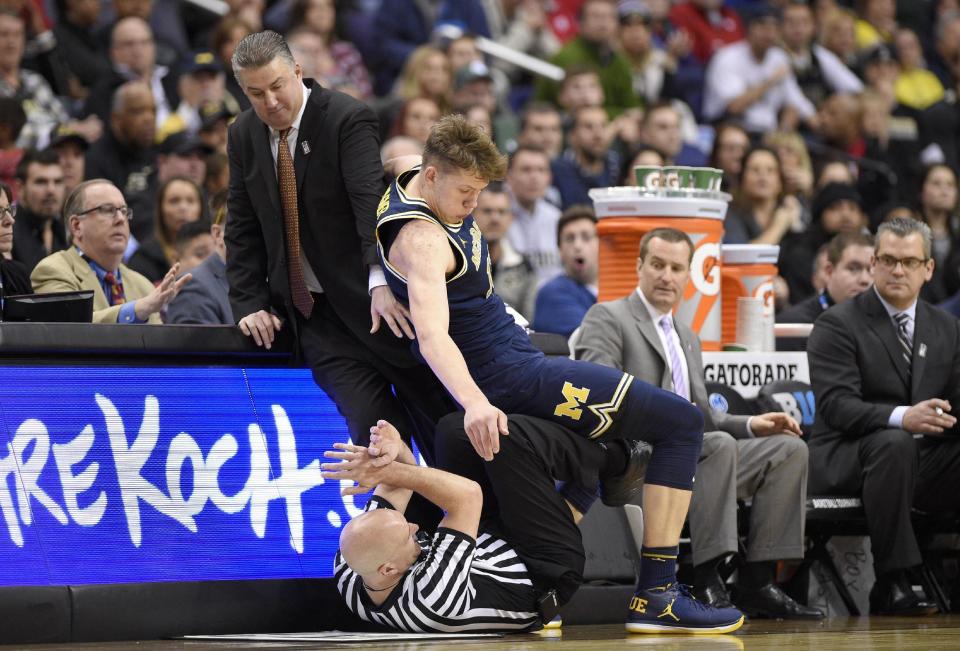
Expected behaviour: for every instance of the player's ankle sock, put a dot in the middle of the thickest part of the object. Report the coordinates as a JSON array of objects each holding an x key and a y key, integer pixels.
[
  {"x": 658, "y": 566},
  {"x": 579, "y": 496},
  {"x": 615, "y": 458}
]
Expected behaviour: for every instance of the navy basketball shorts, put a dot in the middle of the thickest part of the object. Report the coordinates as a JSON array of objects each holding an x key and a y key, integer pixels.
[{"x": 598, "y": 402}]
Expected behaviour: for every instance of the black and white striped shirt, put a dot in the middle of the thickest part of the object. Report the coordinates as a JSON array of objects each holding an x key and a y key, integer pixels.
[{"x": 456, "y": 585}]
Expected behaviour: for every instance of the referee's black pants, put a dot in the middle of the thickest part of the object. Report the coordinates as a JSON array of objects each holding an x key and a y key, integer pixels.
[{"x": 521, "y": 504}]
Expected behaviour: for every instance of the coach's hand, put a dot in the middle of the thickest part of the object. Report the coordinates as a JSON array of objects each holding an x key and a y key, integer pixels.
[
  {"x": 775, "y": 422},
  {"x": 262, "y": 326},
  {"x": 384, "y": 305},
  {"x": 929, "y": 417},
  {"x": 484, "y": 424}
]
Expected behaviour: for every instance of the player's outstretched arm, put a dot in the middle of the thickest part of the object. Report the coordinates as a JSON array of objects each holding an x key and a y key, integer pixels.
[
  {"x": 460, "y": 498},
  {"x": 422, "y": 254}
]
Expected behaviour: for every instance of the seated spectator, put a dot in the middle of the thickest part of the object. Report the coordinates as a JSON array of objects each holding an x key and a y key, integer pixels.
[
  {"x": 837, "y": 208},
  {"x": 204, "y": 299},
  {"x": 12, "y": 120},
  {"x": 797, "y": 168},
  {"x": 71, "y": 147},
  {"x": 878, "y": 23},
  {"x": 835, "y": 170},
  {"x": 99, "y": 224},
  {"x": 819, "y": 72},
  {"x": 945, "y": 57},
  {"x": 643, "y": 157},
  {"x": 709, "y": 24},
  {"x": 938, "y": 209},
  {"x": 14, "y": 277},
  {"x": 399, "y": 146},
  {"x": 170, "y": 38},
  {"x": 415, "y": 119},
  {"x": 213, "y": 128},
  {"x": 596, "y": 47},
  {"x": 521, "y": 26},
  {"x": 533, "y": 232},
  {"x": 41, "y": 107},
  {"x": 463, "y": 52},
  {"x": 514, "y": 277},
  {"x": 589, "y": 161},
  {"x": 881, "y": 349},
  {"x": 761, "y": 213},
  {"x": 653, "y": 68},
  {"x": 660, "y": 129},
  {"x": 193, "y": 245},
  {"x": 916, "y": 86},
  {"x": 322, "y": 18},
  {"x": 217, "y": 177},
  {"x": 79, "y": 44},
  {"x": 133, "y": 57},
  {"x": 480, "y": 115},
  {"x": 730, "y": 143},
  {"x": 752, "y": 82},
  {"x": 847, "y": 274},
  {"x": 425, "y": 74},
  {"x": 125, "y": 155},
  {"x": 38, "y": 231},
  {"x": 838, "y": 35},
  {"x": 542, "y": 127},
  {"x": 580, "y": 88},
  {"x": 562, "y": 302},
  {"x": 473, "y": 86},
  {"x": 229, "y": 31},
  {"x": 179, "y": 201},
  {"x": 760, "y": 458},
  {"x": 202, "y": 83},
  {"x": 403, "y": 26}
]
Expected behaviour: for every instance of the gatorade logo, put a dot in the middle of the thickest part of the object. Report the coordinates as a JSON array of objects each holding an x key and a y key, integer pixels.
[
  {"x": 704, "y": 270},
  {"x": 765, "y": 291}
]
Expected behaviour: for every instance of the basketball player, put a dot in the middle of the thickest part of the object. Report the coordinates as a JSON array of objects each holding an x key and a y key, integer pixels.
[{"x": 437, "y": 263}]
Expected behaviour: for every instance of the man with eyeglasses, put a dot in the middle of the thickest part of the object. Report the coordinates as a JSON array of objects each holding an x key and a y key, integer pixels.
[
  {"x": 885, "y": 369},
  {"x": 98, "y": 222}
]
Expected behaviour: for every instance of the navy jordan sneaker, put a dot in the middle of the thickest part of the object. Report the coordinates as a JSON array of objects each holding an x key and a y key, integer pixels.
[{"x": 672, "y": 609}]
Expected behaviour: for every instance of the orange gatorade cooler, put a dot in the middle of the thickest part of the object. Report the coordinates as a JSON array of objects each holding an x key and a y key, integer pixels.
[
  {"x": 626, "y": 214},
  {"x": 748, "y": 270}
]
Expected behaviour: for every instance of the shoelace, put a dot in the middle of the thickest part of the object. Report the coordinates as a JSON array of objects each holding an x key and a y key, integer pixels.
[{"x": 684, "y": 590}]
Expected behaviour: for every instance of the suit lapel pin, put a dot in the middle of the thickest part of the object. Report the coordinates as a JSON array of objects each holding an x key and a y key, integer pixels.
[
  {"x": 305, "y": 147},
  {"x": 923, "y": 350}
]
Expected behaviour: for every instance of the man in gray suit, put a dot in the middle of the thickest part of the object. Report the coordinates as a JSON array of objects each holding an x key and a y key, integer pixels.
[
  {"x": 757, "y": 457},
  {"x": 208, "y": 299}
]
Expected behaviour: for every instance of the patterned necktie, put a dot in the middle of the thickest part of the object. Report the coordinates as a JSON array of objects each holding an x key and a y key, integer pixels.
[
  {"x": 291, "y": 226},
  {"x": 676, "y": 368},
  {"x": 116, "y": 296},
  {"x": 906, "y": 344}
]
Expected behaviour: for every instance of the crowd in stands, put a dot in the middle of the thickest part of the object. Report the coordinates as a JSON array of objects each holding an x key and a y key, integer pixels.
[{"x": 828, "y": 119}]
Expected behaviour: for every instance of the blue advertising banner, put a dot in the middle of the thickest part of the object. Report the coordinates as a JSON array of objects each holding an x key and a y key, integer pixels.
[{"x": 112, "y": 475}]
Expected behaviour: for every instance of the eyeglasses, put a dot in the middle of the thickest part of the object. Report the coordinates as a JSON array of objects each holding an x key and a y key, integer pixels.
[
  {"x": 909, "y": 264},
  {"x": 108, "y": 210},
  {"x": 10, "y": 210}
]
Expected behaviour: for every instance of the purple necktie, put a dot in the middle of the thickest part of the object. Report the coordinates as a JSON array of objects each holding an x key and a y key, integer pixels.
[{"x": 679, "y": 386}]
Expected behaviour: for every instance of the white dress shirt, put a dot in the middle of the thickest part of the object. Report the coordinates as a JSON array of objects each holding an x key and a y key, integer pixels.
[
  {"x": 376, "y": 277},
  {"x": 896, "y": 417},
  {"x": 733, "y": 70}
]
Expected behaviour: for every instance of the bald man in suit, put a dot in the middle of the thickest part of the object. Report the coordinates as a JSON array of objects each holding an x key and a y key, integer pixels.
[{"x": 759, "y": 457}]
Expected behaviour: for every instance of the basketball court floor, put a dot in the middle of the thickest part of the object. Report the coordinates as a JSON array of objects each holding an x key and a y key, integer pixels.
[{"x": 836, "y": 634}]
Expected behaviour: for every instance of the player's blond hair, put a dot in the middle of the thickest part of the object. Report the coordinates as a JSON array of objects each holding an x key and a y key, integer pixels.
[{"x": 457, "y": 143}]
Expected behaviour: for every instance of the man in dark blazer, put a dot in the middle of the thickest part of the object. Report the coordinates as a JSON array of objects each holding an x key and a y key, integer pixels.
[
  {"x": 305, "y": 258},
  {"x": 205, "y": 299},
  {"x": 885, "y": 369},
  {"x": 760, "y": 457}
]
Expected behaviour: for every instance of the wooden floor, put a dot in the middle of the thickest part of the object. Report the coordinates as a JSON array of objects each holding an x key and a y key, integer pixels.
[{"x": 838, "y": 634}]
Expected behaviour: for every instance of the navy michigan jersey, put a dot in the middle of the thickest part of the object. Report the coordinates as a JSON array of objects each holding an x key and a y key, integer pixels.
[
  {"x": 590, "y": 399},
  {"x": 479, "y": 323}
]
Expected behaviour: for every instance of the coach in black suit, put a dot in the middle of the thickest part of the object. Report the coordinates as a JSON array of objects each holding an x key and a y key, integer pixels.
[
  {"x": 300, "y": 241},
  {"x": 886, "y": 367}
]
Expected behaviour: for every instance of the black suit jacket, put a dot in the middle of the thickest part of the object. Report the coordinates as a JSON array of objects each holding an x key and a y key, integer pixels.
[
  {"x": 858, "y": 372},
  {"x": 339, "y": 184}
]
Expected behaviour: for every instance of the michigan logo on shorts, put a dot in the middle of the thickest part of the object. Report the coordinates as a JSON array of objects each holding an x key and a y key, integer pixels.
[{"x": 575, "y": 397}]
